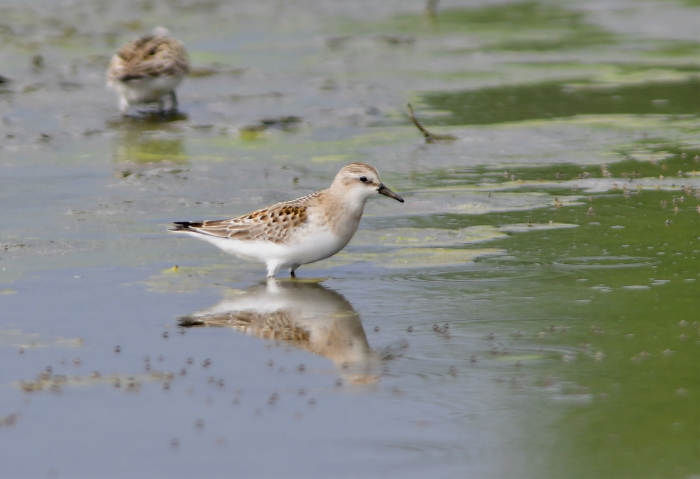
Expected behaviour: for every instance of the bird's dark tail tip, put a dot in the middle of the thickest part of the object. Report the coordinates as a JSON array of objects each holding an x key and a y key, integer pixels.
[
  {"x": 185, "y": 225},
  {"x": 189, "y": 322}
]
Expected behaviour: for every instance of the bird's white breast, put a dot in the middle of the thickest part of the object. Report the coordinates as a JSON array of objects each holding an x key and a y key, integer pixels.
[
  {"x": 306, "y": 246},
  {"x": 148, "y": 89}
]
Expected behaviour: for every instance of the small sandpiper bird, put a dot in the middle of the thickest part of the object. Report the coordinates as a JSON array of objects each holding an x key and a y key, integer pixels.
[
  {"x": 147, "y": 70},
  {"x": 301, "y": 231}
]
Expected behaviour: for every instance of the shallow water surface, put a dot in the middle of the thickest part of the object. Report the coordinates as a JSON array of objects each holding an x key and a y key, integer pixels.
[{"x": 529, "y": 311}]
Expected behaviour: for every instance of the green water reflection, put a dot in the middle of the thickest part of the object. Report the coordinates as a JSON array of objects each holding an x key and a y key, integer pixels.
[
  {"x": 631, "y": 307},
  {"x": 557, "y": 99},
  {"x": 505, "y": 19},
  {"x": 622, "y": 292},
  {"x": 620, "y": 295}
]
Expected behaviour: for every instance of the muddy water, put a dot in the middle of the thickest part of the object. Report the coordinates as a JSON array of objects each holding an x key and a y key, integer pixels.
[{"x": 530, "y": 311}]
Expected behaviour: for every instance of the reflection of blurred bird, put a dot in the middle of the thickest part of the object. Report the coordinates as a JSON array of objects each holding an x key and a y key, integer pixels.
[
  {"x": 148, "y": 69},
  {"x": 305, "y": 315},
  {"x": 137, "y": 150},
  {"x": 301, "y": 231}
]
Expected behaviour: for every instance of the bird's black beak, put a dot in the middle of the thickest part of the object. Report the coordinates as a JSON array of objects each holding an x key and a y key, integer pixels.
[{"x": 383, "y": 190}]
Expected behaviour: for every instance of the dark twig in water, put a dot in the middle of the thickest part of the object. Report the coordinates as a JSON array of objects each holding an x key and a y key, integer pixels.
[
  {"x": 429, "y": 137},
  {"x": 425, "y": 132},
  {"x": 431, "y": 9}
]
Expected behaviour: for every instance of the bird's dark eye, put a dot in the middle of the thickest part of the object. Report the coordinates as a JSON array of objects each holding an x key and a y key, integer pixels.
[{"x": 363, "y": 179}]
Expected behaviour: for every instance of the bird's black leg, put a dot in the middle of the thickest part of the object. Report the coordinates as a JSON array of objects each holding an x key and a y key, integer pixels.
[{"x": 173, "y": 100}]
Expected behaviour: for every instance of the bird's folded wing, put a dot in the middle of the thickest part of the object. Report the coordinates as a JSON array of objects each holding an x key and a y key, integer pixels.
[
  {"x": 274, "y": 224},
  {"x": 143, "y": 58}
]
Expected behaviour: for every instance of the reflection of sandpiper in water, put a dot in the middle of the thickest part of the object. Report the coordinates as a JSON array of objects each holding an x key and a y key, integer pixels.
[
  {"x": 305, "y": 315},
  {"x": 147, "y": 148}
]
